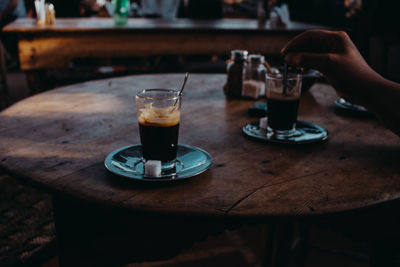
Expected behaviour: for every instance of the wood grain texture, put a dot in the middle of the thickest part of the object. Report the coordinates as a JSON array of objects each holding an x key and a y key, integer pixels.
[
  {"x": 59, "y": 140},
  {"x": 45, "y": 47}
]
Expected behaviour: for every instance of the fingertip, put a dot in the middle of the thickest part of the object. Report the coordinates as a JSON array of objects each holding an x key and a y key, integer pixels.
[
  {"x": 288, "y": 58},
  {"x": 295, "y": 59},
  {"x": 283, "y": 51},
  {"x": 285, "y": 58}
]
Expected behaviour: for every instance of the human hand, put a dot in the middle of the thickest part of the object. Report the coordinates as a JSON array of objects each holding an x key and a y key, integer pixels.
[{"x": 335, "y": 55}]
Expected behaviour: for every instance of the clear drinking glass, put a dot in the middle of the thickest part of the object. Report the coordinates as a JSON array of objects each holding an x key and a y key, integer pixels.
[
  {"x": 283, "y": 97},
  {"x": 158, "y": 112}
]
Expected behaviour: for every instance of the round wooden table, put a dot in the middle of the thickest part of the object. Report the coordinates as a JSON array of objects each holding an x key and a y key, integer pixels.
[{"x": 59, "y": 140}]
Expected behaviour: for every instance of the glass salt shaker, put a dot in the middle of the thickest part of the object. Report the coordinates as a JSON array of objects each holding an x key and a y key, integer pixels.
[
  {"x": 254, "y": 77},
  {"x": 233, "y": 86}
]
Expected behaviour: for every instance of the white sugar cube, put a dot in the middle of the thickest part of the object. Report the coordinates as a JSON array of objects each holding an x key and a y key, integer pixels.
[
  {"x": 152, "y": 168},
  {"x": 251, "y": 89},
  {"x": 264, "y": 123}
]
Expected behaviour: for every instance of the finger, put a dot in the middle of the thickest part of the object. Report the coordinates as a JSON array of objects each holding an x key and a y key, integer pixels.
[
  {"x": 312, "y": 41},
  {"x": 306, "y": 41},
  {"x": 309, "y": 60}
]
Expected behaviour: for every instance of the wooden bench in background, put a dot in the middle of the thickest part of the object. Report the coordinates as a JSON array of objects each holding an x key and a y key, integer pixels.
[{"x": 54, "y": 47}]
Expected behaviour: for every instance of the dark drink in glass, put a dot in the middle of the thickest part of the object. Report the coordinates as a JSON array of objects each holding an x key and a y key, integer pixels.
[
  {"x": 159, "y": 116},
  {"x": 159, "y": 142},
  {"x": 282, "y": 104},
  {"x": 282, "y": 112}
]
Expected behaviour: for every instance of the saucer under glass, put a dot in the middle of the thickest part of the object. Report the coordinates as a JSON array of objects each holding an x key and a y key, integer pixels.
[
  {"x": 127, "y": 162},
  {"x": 304, "y": 133}
]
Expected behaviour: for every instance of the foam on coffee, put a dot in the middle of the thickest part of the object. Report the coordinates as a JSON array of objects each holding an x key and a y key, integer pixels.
[
  {"x": 279, "y": 96},
  {"x": 160, "y": 117}
]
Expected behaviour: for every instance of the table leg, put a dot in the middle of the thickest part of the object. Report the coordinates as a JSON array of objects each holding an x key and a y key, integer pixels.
[
  {"x": 37, "y": 81},
  {"x": 91, "y": 235},
  {"x": 301, "y": 244},
  {"x": 278, "y": 246},
  {"x": 3, "y": 85},
  {"x": 269, "y": 244}
]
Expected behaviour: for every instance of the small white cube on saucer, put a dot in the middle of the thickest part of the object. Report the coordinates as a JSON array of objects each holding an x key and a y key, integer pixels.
[
  {"x": 152, "y": 168},
  {"x": 264, "y": 123}
]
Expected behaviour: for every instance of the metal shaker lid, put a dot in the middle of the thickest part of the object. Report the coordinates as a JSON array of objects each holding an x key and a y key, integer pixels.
[
  {"x": 256, "y": 59},
  {"x": 238, "y": 54}
]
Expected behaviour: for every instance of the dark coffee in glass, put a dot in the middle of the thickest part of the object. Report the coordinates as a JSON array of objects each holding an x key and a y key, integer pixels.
[
  {"x": 159, "y": 116},
  {"x": 282, "y": 112},
  {"x": 282, "y": 104},
  {"x": 159, "y": 142}
]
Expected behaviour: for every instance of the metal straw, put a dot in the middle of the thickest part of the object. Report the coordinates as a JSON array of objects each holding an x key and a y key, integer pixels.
[
  {"x": 285, "y": 71},
  {"x": 183, "y": 87},
  {"x": 184, "y": 82}
]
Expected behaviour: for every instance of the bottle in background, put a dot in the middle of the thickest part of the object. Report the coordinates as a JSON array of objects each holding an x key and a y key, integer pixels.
[
  {"x": 233, "y": 86},
  {"x": 121, "y": 12},
  {"x": 261, "y": 15}
]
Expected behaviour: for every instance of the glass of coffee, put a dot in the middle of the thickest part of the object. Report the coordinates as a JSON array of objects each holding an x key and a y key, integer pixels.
[
  {"x": 283, "y": 94},
  {"x": 158, "y": 112}
]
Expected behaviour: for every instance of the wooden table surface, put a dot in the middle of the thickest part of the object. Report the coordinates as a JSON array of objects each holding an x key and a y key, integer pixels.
[
  {"x": 59, "y": 140},
  {"x": 54, "y": 46},
  {"x": 95, "y": 24}
]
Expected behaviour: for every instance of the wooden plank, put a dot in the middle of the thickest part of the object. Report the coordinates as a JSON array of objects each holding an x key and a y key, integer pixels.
[
  {"x": 54, "y": 46},
  {"x": 58, "y": 51}
]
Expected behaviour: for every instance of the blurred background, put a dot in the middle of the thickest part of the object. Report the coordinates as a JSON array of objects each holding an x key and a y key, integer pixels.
[{"x": 372, "y": 24}]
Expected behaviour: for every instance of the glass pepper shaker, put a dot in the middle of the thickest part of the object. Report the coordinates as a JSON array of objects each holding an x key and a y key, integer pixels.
[
  {"x": 233, "y": 86},
  {"x": 254, "y": 77}
]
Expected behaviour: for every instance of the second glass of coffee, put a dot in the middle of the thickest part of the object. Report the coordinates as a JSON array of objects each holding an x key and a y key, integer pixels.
[
  {"x": 159, "y": 113},
  {"x": 283, "y": 96}
]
